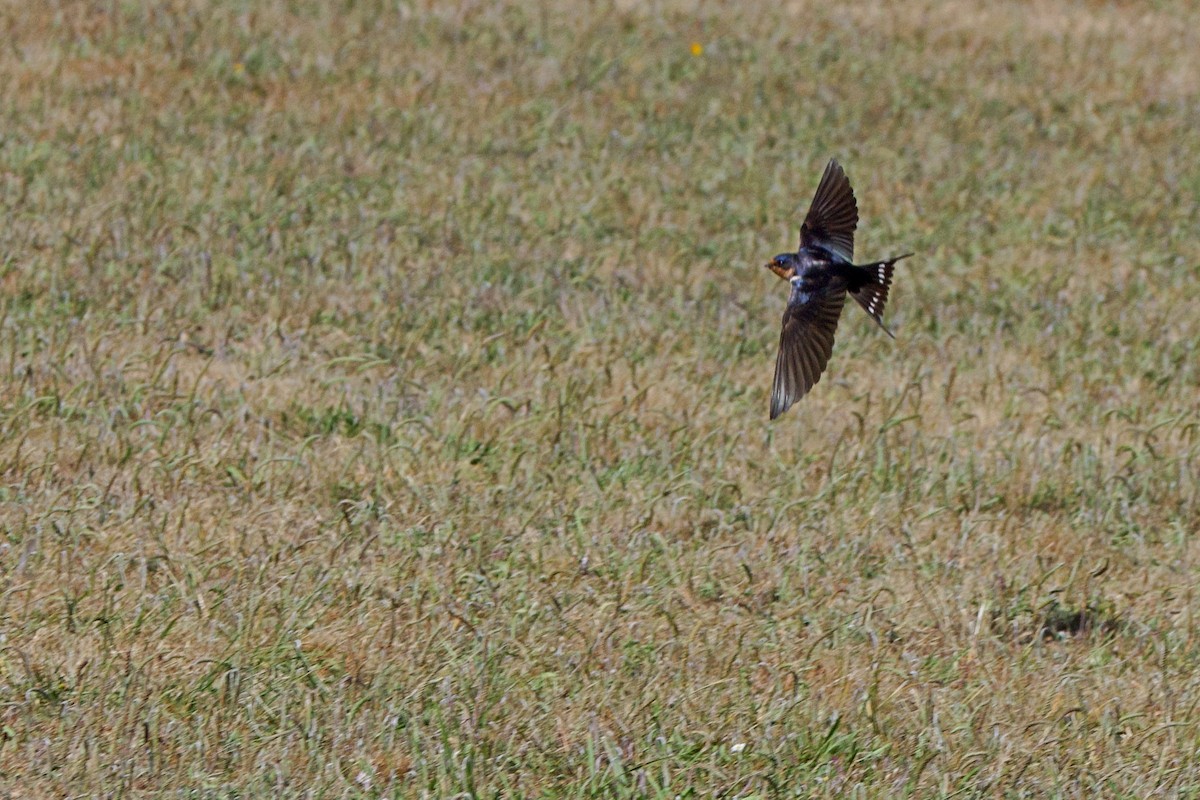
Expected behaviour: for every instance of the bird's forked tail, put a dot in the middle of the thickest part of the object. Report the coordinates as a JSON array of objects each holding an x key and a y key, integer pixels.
[{"x": 872, "y": 293}]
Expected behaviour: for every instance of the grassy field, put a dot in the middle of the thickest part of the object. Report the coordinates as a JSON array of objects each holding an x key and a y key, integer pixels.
[{"x": 384, "y": 401}]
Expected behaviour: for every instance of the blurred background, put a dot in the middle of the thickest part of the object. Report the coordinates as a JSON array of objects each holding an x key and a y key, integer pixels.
[{"x": 385, "y": 393}]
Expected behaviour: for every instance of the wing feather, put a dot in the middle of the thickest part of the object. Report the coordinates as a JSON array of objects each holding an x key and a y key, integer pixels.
[
  {"x": 805, "y": 344},
  {"x": 833, "y": 215}
]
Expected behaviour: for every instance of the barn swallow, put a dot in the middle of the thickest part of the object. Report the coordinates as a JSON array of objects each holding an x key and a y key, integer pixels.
[{"x": 821, "y": 272}]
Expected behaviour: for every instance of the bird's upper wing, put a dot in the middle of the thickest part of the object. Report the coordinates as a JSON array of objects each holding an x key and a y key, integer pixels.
[
  {"x": 833, "y": 215},
  {"x": 805, "y": 344}
]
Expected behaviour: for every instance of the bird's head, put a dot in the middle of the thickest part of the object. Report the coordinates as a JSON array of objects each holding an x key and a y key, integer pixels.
[{"x": 783, "y": 265}]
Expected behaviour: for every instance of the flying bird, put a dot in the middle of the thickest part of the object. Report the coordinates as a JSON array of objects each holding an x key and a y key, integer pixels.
[{"x": 821, "y": 273}]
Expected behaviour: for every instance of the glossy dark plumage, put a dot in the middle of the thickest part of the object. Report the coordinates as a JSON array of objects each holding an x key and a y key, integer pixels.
[
  {"x": 821, "y": 274},
  {"x": 833, "y": 214}
]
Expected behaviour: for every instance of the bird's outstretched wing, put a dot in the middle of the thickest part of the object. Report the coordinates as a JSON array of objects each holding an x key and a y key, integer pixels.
[
  {"x": 805, "y": 344},
  {"x": 833, "y": 215}
]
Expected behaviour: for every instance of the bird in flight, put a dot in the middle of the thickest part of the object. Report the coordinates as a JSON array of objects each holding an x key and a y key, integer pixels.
[{"x": 821, "y": 273}]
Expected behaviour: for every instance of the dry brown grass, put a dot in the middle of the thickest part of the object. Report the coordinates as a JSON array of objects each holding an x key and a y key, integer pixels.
[{"x": 384, "y": 409}]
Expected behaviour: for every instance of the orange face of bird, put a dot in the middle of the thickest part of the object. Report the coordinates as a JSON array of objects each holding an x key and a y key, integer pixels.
[{"x": 782, "y": 267}]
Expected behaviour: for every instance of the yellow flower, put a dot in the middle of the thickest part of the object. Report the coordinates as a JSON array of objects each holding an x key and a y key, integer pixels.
[
  {"x": 697, "y": 49},
  {"x": 239, "y": 68}
]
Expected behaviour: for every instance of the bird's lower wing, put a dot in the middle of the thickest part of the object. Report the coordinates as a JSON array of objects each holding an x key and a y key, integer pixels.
[{"x": 805, "y": 345}]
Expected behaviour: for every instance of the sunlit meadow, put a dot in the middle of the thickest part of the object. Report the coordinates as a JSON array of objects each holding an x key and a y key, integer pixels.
[{"x": 385, "y": 387}]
